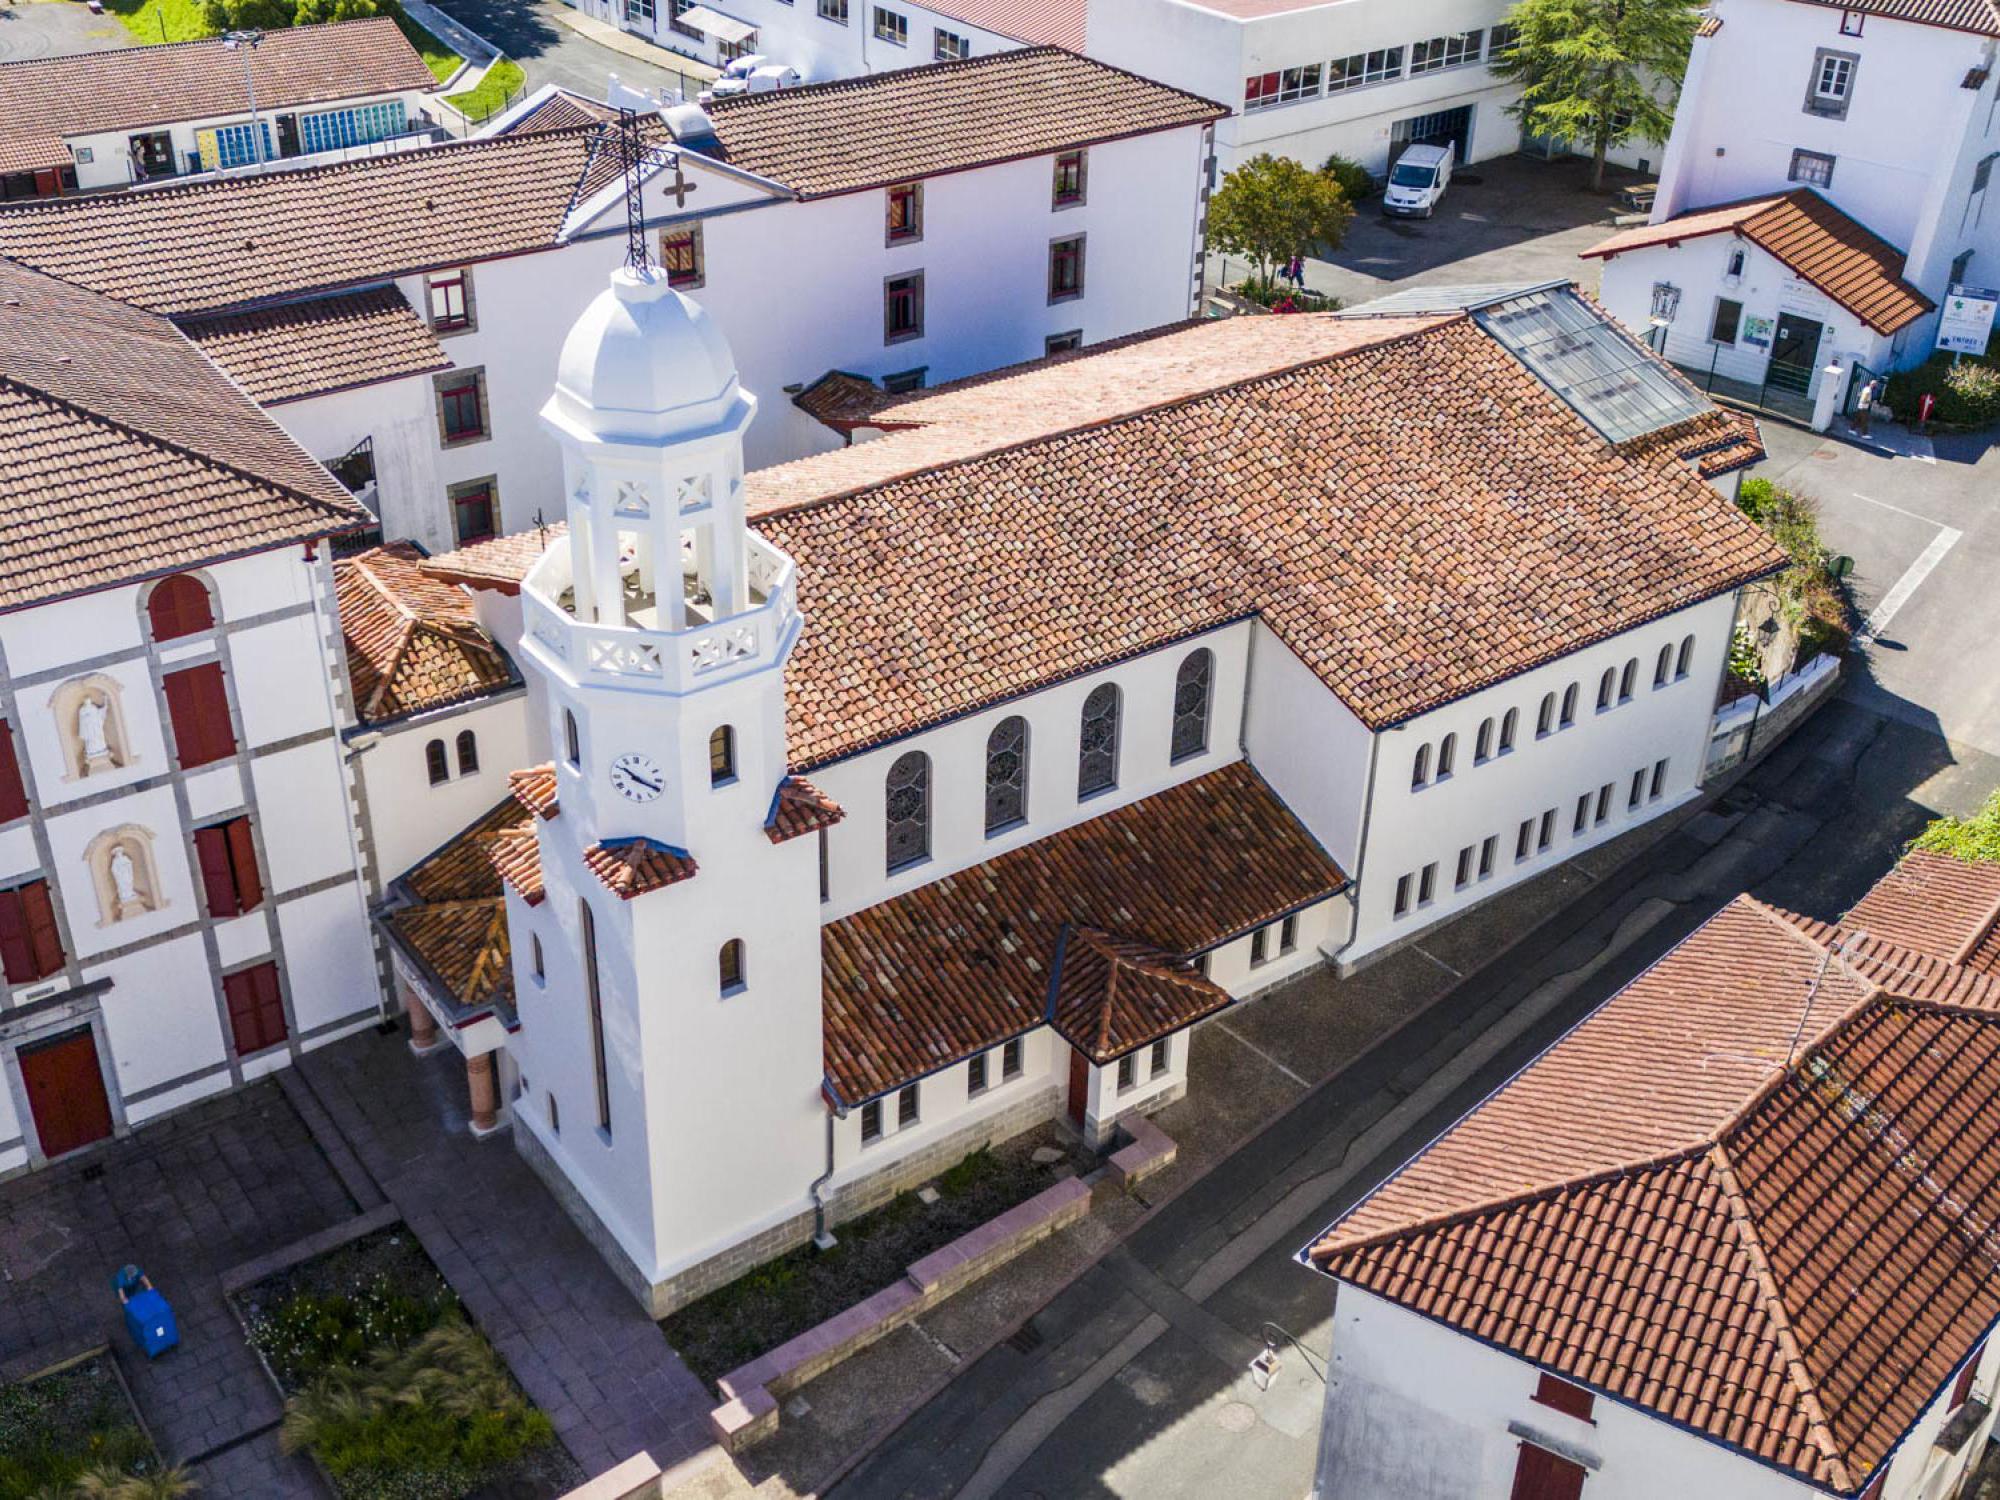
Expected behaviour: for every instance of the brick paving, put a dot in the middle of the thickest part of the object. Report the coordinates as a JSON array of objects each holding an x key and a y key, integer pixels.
[
  {"x": 223, "y": 1182},
  {"x": 579, "y": 1343}
]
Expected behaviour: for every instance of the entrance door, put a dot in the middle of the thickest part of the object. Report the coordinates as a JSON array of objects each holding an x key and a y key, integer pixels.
[
  {"x": 152, "y": 156},
  {"x": 288, "y": 135},
  {"x": 1794, "y": 353},
  {"x": 1079, "y": 1085},
  {"x": 66, "y": 1092},
  {"x": 1451, "y": 127}
]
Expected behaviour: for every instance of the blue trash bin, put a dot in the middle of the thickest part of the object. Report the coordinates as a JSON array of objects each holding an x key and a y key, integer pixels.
[{"x": 150, "y": 1320}]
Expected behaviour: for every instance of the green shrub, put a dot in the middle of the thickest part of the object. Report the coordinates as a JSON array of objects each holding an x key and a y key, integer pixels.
[
  {"x": 1968, "y": 392},
  {"x": 1280, "y": 295},
  {"x": 1809, "y": 596},
  {"x": 306, "y": 1334},
  {"x": 1353, "y": 178},
  {"x": 1976, "y": 838}
]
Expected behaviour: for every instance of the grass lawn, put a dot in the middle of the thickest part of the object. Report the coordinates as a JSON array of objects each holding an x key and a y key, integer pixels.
[
  {"x": 440, "y": 59},
  {"x": 54, "y": 1429},
  {"x": 502, "y": 81},
  {"x": 783, "y": 1298},
  {"x": 154, "y": 21}
]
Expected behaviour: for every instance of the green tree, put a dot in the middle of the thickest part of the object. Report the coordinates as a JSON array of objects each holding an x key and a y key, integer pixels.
[
  {"x": 247, "y": 15},
  {"x": 1272, "y": 208},
  {"x": 314, "y": 12},
  {"x": 1589, "y": 70}
]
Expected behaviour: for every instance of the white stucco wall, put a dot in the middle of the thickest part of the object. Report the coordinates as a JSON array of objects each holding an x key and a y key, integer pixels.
[
  {"x": 400, "y": 416},
  {"x": 408, "y": 817}
]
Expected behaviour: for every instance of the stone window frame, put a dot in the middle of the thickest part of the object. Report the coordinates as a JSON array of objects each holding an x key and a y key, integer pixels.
[
  {"x": 685, "y": 281},
  {"x": 468, "y": 321},
  {"x": 1075, "y": 292},
  {"x": 1081, "y": 157},
  {"x": 1828, "y": 106},
  {"x": 912, "y": 232},
  {"x": 137, "y": 842},
  {"x": 1801, "y": 155},
  {"x": 67, "y": 701},
  {"x": 454, "y": 379},
  {"x": 890, "y": 334},
  {"x": 464, "y": 489}
]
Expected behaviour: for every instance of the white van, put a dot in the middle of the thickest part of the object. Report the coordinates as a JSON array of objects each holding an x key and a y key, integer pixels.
[{"x": 1418, "y": 180}]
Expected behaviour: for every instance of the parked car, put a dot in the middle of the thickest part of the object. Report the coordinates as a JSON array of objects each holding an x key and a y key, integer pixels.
[{"x": 1418, "y": 181}]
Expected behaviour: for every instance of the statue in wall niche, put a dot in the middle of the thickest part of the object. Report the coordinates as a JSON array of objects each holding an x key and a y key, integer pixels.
[
  {"x": 125, "y": 884},
  {"x": 91, "y": 716},
  {"x": 121, "y": 870}
]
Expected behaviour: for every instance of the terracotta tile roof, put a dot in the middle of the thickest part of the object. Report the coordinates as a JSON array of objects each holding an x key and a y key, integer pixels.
[
  {"x": 223, "y": 242},
  {"x": 498, "y": 563},
  {"x": 632, "y": 867},
  {"x": 944, "y": 117},
  {"x": 1709, "y": 25},
  {"x": 1716, "y": 442},
  {"x": 128, "y": 87},
  {"x": 1417, "y": 518},
  {"x": 449, "y": 916},
  {"x": 1981, "y": 17},
  {"x": 797, "y": 808},
  {"x": 326, "y": 344},
  {"x": 562, "y": 110},
  {"x": 1841, "y": 256},
  {"x": 1786, "y": 1246},
  {"x": 124, "y": 453},
  {"x": 413, "y": 643},
  {"x": 841, "y": 400},
  {"x": 517, "y": 855},
  {"x": 34, "y": 151},
  {"x": 1063, "y": 23},
  {"x": 1113, "y": 995},
  {"x": 535, "y": 788},
  {"x": 1936, "y": 905},
  {"x": 965, "y": 962}
]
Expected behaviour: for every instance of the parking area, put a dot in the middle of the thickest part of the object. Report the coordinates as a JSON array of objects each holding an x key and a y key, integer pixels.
[
  {"x": 51, "y": 28},
  {"x": 533, "y": 34}
]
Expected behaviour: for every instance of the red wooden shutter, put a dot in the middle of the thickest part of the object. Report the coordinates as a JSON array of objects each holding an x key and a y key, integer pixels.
[
  {"x": 1553, "y": 1391},
  {"x": 13, "y": 792},
  {"x": 256, "y": 1008},
  {"x": 199, "y": 706},
  {"x": 179, "y": 606},
  {"x": 211, "y": 849},
  {"x": 1540, "y": 1475},
  {"x": 16, "y": 956},
  {"x": 243, "y": 864},
  {"x": 1966, "y": 1376},
  {"x": 44, "y": 941}
]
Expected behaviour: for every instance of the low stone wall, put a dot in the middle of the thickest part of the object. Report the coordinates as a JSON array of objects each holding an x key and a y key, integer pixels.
[
  {"x": 1150, "y": 1150},
  {"x": 1749, "y": 726},
  {"x": 751, "y": 1393},
  {"x": 638, "y": 1478}
]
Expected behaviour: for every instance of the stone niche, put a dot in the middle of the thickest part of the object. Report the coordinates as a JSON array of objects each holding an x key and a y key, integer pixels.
[
  {"x": 90, "y": 723},
  {"x": 123, "y": 875}
]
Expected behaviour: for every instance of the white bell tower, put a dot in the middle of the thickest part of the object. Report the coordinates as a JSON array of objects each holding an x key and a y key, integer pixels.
[{"x": 676, "y": 1013}]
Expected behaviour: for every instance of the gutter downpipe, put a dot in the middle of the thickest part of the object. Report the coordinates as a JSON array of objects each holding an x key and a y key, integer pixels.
[
  {"x": 822, "y": 1238},
  {"x": 1361, "y": 848}
]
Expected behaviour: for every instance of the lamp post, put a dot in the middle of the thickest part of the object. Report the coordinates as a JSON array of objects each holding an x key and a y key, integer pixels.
[{"x": 246, "y": 43}]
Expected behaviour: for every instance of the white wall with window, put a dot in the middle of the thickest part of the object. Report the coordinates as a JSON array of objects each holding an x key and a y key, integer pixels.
[
  {"x": 827, "y": 39},
  {"x": 424, "y": 779}
]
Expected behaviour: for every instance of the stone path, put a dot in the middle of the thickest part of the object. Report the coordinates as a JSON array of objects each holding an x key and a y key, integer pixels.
[{"x": 580, "y": 1344}]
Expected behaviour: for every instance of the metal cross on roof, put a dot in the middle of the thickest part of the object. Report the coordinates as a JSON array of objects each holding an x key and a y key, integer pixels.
[{"x": 634, "y": 154}]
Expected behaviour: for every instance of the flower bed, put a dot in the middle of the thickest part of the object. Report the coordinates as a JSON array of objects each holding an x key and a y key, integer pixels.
[
  {"x": 73, "y": 1432},
  {"x": 783, "y": 1298},
  {"x": 390, "y": 1387}
]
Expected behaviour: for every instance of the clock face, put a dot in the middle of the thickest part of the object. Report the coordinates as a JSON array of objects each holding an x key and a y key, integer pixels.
[{"x": 638, "y": 778}]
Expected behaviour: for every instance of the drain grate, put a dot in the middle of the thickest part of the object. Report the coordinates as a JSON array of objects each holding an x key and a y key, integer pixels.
[{"x": 1026, "y": 1339}]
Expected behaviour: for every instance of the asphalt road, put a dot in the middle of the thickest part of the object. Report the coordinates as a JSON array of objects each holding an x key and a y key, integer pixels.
[
  {"x": 55, "y": 28},
  {"x": 549, "y": 52},
  {"x": 1133, "y": 1381}
]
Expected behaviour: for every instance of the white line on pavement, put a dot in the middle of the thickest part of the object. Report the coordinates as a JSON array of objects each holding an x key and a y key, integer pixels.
[
  {"x": 1224, "y": 1027},
  {"x": 1913, "y": 576},
  {"x": 1927, "y": 520}
]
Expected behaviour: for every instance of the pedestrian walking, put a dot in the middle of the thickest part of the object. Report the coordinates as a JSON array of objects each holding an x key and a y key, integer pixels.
[{"x": 1864, "y": 407}]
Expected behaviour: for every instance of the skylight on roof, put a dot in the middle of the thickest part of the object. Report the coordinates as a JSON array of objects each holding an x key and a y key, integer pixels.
[{"x": 1593, "y": 365}]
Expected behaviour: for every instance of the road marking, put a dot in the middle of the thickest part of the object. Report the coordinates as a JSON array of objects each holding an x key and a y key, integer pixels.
[
  {"x": 1438, "y": 961},
  {"x": 1913, "y": 577},
  {"x": 1927, "y": 520},
  {"x": 1223, "y": 1026}
]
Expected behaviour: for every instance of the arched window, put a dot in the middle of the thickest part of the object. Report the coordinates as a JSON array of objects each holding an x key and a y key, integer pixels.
[
  {"x": 1569, "y": 706},
  {"x": 722, "y": 756},
  {"x": 1007, "y": 775},
  {"x": 1420, "y": 768},
  {"x": 1627, "y": 680},
  {"x": 1191, "y": 698},
  {"x": 1545, "y": 719},
  {"x": 179, "y": 606},
  {"x": 1663, "y": 667},
  {"x": 907, "y": 810},
  {"x": 572, "y": 741},
  {"x": 1509, "y": 722},
  {"x": 1482, "y": 747},
  {"x": 729, "y": 966},
  {"x": 1097, "y": 752},
  {"x": 1685, "y": 660},
  {"x": 1605, "y": 685},
  {"x": 436, "y": 764},
  {"x": 1447, "y": 755},
  {"x": 468, "y": 752}
]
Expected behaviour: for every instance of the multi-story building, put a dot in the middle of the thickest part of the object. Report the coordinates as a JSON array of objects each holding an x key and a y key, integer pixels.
[
  {"x": 1731, "y": 1235},
  {"x": 909, "y": 228},
  {"x": 135, "y": 115},
  {"x": 943, "y": 783},
  {"x": 1819, "y": 224},
  {"x": 182, "y": 906}
]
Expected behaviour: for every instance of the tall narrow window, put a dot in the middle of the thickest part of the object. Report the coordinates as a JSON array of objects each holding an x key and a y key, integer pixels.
[
  {"x": 593, "y": 993},
  {"x": 198, "y": 707},
  {"x": 468, "y": 752},
  {"x": 1638, "y": 793},
  {"x": 13, "y": 790},
  {"x": 1447, "y": 755},
  {"x": 1010, "y": 1059},
  {"x": 975, "y": 1075},
  {"x": 1627, "y": 680},
  {"x": 1192, "y": 687},
  {"x": 1007, "y": 775},
  {"x": 1066, "y": 268},
  {"x": 905, "y": 222},
  {"x": 903, "y": 308},
  {"x": 30, "y": 942},
  {"x": 1160, "y": 1060},
  {"x": 1604, "y": 801},
  {"x": 729, "y": 967},
  {"x": 1663, "y": 667},
  {"x": 1509, "y": 722},
  {"x": 1097, "y": 751},
  {"x": 906, "y": 1106},
  {"x": 256, "y": 1006},
  {"x": 1685, "y": 659},
  {"x": 227, "y": 856},
  {"x": 1069, "y": 184},
  {"x": 1605, "y": 686},
  {"x": 1569, "y": 706},
  {"x": 1545, "y": 717},
  {"x": 535, "y": 954},
  {"x": 1548, "y": 835},
  {"x": 681, "y": 254},
  {"x": 1659, "y": 779},
  {"x": 1524, "y": 839},
  {"x": 572, "y": 741},
  {"x": 436, "y": 764},
  {"x": 907, "y": 810},
  {"x": 1420, "y": 768},
  {"x": 1427, "y": 881},
  {"x": 450, "y": 294},
  {"x": 722, "y": 756},
  {"x": 1463, "y": 877},
  {"x": 1582, "y": 819},
  {"x": 1128, "y": 1072},
  {"x": 871, "y": 1122},
  {"x": 1482, "y": 746},
  {"x": 1402, "y": 894},
  {"x": 472, "y": 514},
  {"x": 179, "y": 606},
  {"x": 1487, "y": 846}
]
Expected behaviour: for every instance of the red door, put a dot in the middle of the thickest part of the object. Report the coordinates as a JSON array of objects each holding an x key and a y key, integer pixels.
[
  {"x": 1079, "y": 1085},
  {"x": 66, "y": 1092}
]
